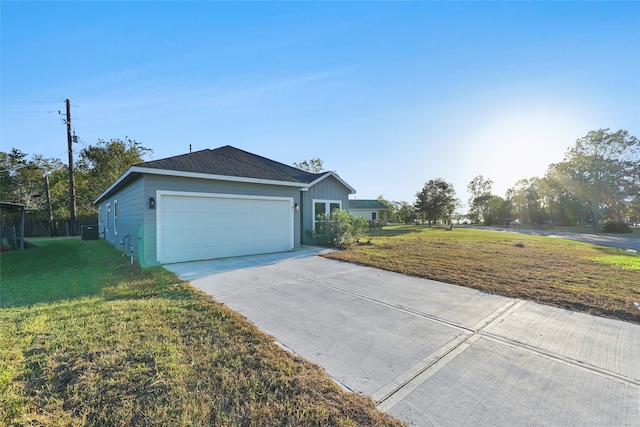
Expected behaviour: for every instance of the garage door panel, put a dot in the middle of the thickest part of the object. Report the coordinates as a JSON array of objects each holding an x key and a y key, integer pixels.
[{"x": 202, "y": 227}]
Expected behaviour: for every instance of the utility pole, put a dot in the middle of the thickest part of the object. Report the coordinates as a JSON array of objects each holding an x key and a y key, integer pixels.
[
  {"x": 72, "y": 189},
  {"x": 46, "y": 187}
]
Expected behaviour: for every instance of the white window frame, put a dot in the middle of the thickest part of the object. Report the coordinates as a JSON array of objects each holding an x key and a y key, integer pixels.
[
  {"x": 327, "y": 208},
  {"x": 115, "y": 217},
  {"x": 106, "y": 217}
]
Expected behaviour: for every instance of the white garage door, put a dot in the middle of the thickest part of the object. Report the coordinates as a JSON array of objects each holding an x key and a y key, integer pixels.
[{"x": 196, "y": 226}]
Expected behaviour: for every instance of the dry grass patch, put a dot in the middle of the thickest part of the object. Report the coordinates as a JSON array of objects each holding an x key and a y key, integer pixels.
[
  {"x": 567, "y": 274},
  {"x": 151, "y": 350}
]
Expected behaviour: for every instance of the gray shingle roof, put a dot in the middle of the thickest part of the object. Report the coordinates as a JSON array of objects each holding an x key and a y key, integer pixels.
[{"x": 231, "y": 161}]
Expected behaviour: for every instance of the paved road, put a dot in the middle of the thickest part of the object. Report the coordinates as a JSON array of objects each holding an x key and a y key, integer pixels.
[
  {"x": 431, "y": 353},
  {"x": 623, "y": 241}
]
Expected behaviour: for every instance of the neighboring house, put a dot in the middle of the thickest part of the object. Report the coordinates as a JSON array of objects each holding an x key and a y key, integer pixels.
[
  {"x": 372, "y": 210},
  {"x": 214, "y": 204}
]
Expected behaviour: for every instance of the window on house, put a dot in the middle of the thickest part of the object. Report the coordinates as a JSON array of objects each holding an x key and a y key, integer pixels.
[
  {"x": 324, "y": 207},
  {"x": 373, "y": 215},
  {"x": 115, "y": 217},
  {"x": 106, "y": 217}
]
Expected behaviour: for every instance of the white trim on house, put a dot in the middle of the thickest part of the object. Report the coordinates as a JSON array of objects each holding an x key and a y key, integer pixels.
[
  {"x": 115, "y": 217},
  {"x": 159, "y": 201},
  {"x": 336, "y": 176},
  {"x": 167, "y": 172},
  {"x": 106, "y": 216},
  {"x": 327, "y": 208}
]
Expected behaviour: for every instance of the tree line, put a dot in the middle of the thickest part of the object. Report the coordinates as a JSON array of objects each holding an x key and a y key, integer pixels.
[
  {"x": 598, "y": 181},
  {"x": 24, "y": 179}
]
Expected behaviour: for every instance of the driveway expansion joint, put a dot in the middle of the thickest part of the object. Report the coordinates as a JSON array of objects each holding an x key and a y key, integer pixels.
[
  {"x": 389, "y": 395},
  {"x": 576, "y": 363},
  {"x": 520, "y": 361}
]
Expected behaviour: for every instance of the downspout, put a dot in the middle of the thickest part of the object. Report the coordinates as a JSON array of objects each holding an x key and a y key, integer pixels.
[{"x": 301, "y": 219}]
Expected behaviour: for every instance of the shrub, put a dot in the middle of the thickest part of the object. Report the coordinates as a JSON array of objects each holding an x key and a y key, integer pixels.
[
  {"x": 616, "y": 227},
  {"x": 340, "y": 230}
]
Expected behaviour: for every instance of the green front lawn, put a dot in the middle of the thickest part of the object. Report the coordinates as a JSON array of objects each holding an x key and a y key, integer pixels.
[
  {"x": 88, "y": 339},
  {"x": 573, "y": 275}
]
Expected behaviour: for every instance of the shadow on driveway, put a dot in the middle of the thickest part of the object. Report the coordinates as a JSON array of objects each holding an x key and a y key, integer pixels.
[{"x": 194, "y": 270}]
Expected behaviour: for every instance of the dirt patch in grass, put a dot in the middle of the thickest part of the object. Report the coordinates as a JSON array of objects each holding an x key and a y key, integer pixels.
[{"x": 558, "y": 272}]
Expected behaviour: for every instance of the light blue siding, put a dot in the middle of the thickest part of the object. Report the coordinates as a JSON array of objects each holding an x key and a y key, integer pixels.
[
  {"x": 137, "y": 220},
  {"x": 327, "y": 189},
  {"x": 130, "y": 210},
  {"x": 153, "y": 183}
]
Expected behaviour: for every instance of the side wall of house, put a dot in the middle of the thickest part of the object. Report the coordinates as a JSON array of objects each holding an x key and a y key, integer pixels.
[
  {"x": 365, "y": 213},
  {"x": 381, "y": 215},
  {"x": 329, "y": 189},
  {"x": 153, "y": 183},
  {"x": 121, "y": 216}
]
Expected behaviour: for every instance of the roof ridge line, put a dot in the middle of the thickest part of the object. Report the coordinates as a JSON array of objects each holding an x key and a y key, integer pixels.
[{"x": 265, "y": 158}]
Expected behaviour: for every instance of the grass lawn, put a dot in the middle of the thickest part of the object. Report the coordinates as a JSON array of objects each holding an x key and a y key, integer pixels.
[
  {"x": 88, "y": 339},
  {"x": 578, "y": 276}
]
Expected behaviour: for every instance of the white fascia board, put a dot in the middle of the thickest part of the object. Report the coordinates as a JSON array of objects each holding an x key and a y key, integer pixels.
[
  {"x": 166, "y": 172},
  {"x": 221, "y": 177},
  {"x": 115, "y": 184},
  {"x": 336, "y": 176}
]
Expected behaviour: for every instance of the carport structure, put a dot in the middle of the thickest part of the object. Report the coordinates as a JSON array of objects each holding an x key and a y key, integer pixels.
[{"x": 12, "y": 207}]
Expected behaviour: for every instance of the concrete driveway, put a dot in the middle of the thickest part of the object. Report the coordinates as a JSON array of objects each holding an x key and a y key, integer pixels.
[{"x": 431, "y": 353}]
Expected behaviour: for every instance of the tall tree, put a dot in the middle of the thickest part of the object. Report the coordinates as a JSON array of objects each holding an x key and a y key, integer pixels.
[
  {"x": 498, "y": 211},
  {"x": 480, "y": 189},
  {"x": 22, "y": 178},
  {"x": 391, "y": 214},
  {"x": 102, "y": 164},
  {"x": 11, "y": 165},
  {"x": 563, "y": 206},
  {"x": 527, "y": 200},
  {"x": 436, "y": 200},
  {"x": 602, "y": 170},
  {"x": 399, "y": 211},
  {"x": 314, "y": 165},
  {"x": 633, "y": 210},
  {"x": 405, "y": 212}
]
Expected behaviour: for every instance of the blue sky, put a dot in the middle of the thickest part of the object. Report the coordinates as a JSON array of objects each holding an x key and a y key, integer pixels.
[{"x": 388, "y": 94}]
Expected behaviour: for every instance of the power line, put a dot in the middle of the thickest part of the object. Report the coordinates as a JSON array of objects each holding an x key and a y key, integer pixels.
[
  {"x": 27, "y": 112},
  {"x": 30, "y": 102}
]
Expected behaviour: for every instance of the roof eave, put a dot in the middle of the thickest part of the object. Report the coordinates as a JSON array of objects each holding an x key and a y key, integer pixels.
[
  {"x": 373, "y": 208},
  {"x": 125, "y": 175},
  {"x": 182, "y": 174}
]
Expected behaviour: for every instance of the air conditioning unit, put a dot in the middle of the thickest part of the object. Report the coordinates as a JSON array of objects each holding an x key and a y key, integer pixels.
[{"x": 89, "y": 232}]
